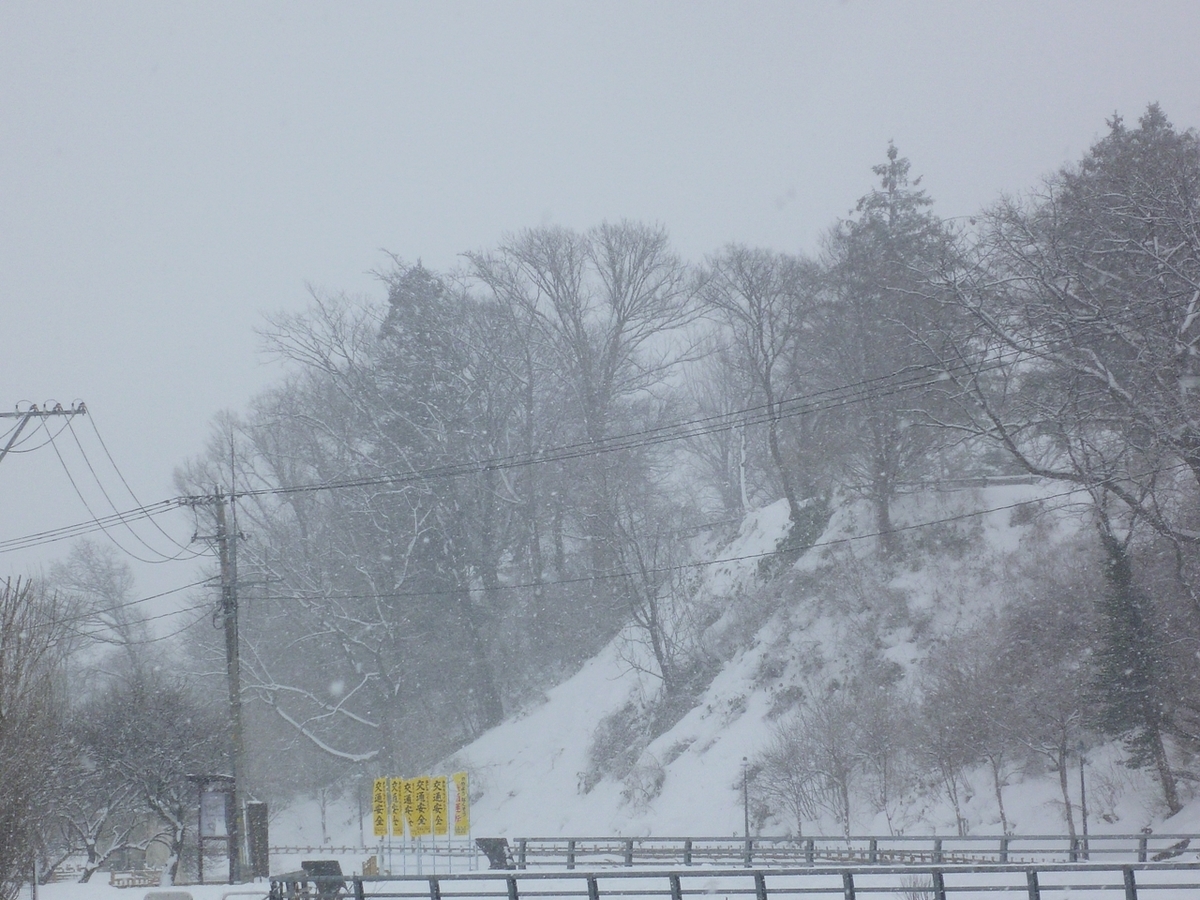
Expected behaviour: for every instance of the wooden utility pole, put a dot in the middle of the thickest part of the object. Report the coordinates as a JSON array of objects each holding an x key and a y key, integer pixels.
[
  {"x": 226, "y": 540},
  {"x": 227, "y": 548}
]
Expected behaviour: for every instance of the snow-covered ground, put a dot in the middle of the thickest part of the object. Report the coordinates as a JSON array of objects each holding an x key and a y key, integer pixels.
[{"x": 530, "y": 775}]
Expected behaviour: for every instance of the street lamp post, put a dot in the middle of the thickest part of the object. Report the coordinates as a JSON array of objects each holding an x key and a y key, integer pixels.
[
  {"x": 745, "y": 798},
  {"x": 1083, "y": 799}
]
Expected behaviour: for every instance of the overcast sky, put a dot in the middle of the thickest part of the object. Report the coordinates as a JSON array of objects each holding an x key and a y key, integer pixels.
[{"x": 169, "y": 172}]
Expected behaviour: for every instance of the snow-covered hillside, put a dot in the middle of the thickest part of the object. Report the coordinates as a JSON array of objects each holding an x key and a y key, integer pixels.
[
  {"x": 780, "y": 627},
  {"x": 530, "y": 775}
]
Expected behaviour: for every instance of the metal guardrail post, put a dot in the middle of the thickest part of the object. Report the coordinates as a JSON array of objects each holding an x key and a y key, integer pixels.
[
  {"x": 521, "y": 846},
  {"x": 810, "y": 851},
  {"x": 358, "y": 888},
  {"x": 593, "y": 888},
  {"x": 687, "y": 852},
  {"x": 512, "y": 888},
  {"x": 760, "y": 886},
  {"x": 1031, "y": 879},
  {"x": 1142, "y": 849},
  {"x": 939, "y": 885},
  {"x": 748, "y": 854},
  {"x": 435, "y": 888},
  {"x": 848, "y": 885},
  {"x": 873, "y": 850},
  {"x": 937, "y": 850},
  {"x": 1004, "y": 849},
  {"x": 676, "y": 888},
  {"x": 1130, "y": 884},
  {"x": 1073, "y": 853},
  {"x": 629, "y": 852},
  {"x": 571, "y": 854}
]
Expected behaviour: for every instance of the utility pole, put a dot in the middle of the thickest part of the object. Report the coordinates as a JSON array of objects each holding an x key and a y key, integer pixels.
[
  {"x": 227, "y": 544},
  {"x": 34, "y": 412},
  {"x": 226, "y": 540}
]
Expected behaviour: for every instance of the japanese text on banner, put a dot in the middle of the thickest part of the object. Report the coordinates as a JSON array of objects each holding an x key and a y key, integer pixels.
[
  {"x": 462, "y": 805},
  {"x": 379, "y": 807},
  {"x": 439, "y": 806},
  {"x": 397, "y": 796}
]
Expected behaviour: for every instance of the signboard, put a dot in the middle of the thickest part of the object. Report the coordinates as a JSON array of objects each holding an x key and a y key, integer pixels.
[
  {"x": 423, "y": 803},
  {"x": 439, "y": 805},
  {"x": 410, "y": 812},
  {"x": 462, "y": 805},
  {"x": 397, "y": 796},
  {"x": 379, "y": 807},
  {"x": 212, "y": 814},
  {"x": 419, "y": 824}
]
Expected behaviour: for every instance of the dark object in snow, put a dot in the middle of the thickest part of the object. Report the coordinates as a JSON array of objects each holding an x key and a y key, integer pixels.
[
  {"x": 497, "y": 852},
  {"x": 168, "y": 895},
  {"x": 1172, "y": 851},
  {"x": 327, "y": 874},
  {"x": 322, "y": 867}
]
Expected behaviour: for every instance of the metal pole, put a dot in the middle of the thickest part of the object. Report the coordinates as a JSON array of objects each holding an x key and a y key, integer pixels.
[
  {"x": 745, "y": 800},
  {"x": 1083, "y": 800}
]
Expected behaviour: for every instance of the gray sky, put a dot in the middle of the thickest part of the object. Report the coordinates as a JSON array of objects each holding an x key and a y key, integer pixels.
[{"x": 171, "y": 171}]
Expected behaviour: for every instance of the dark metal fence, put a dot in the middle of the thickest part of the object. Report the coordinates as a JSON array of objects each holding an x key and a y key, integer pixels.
[
  {"x": 1148, "y": 881},
  {"x": 593, "y": 852},
  {"x": 778, "y": 851}
]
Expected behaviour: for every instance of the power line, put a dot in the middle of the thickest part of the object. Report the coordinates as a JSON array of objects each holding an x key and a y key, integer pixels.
[
  {"x": 91, "y": 526},
  {"x": 136, "y": 499},
  {"x": 838, "y": 396},
  {"x": 121, "y": 518},
  {"x": 822, "y": 400},
  {"x": 185, "y": 552},
  {"x": 128, "y": 604},
  {"x": 698, "y": 564}
]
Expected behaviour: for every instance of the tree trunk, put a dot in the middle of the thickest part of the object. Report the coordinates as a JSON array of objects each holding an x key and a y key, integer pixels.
[
  {"x": 996, "y": 782},
  {"x": 1163, "y": 765},
  {"x": 488, "y": 704},
  {"x": 1060, "y": 763}
]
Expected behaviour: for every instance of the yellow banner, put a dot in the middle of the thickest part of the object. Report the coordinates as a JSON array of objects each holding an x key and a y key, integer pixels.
[
  {"x": 396, "y": 791},
  {"x": 418, "y": 825},
  {"x": 379, "y": 807},
  {"x": 439, "y": 804},
  {"x": 410, "y": 810},
  {"x": 462, "y": 804}
]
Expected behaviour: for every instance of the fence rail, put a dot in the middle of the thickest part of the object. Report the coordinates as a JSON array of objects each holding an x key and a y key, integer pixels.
[
  {"x": 604, "y": 852},
  {"x": 1147, "y": 881}
]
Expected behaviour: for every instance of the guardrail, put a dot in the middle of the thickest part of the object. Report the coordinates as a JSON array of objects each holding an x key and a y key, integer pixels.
[
  {"x": 570, "y": 852},
  {"x": 1148, "y": 881},
  {"x": 869, "y": 849}
]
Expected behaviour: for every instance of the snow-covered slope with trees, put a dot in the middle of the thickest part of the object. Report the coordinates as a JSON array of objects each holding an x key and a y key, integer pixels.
[{"x": 586, "y": 761}]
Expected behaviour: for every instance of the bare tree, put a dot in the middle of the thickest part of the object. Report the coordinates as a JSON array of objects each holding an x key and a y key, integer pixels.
[
  {"x": 1086, "y": 299},
  {"x": 35, "y": 643},
  {"x": 144, "y": 732},
  {"x": 605, "y": 304},
  {"x": 768, "y": 303},
  {"x": 813, "y": 761}
]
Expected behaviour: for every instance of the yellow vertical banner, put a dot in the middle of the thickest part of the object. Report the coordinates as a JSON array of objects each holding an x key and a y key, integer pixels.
[
  {"x": 396, "y": 793},
  {"x": 462, "y": 805},
  {"x": 439, "y": 805},
  {"x": 410, "y": 809},
  {"x": 379, "y": 807},
  {"x": 419, "y": 823}
]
